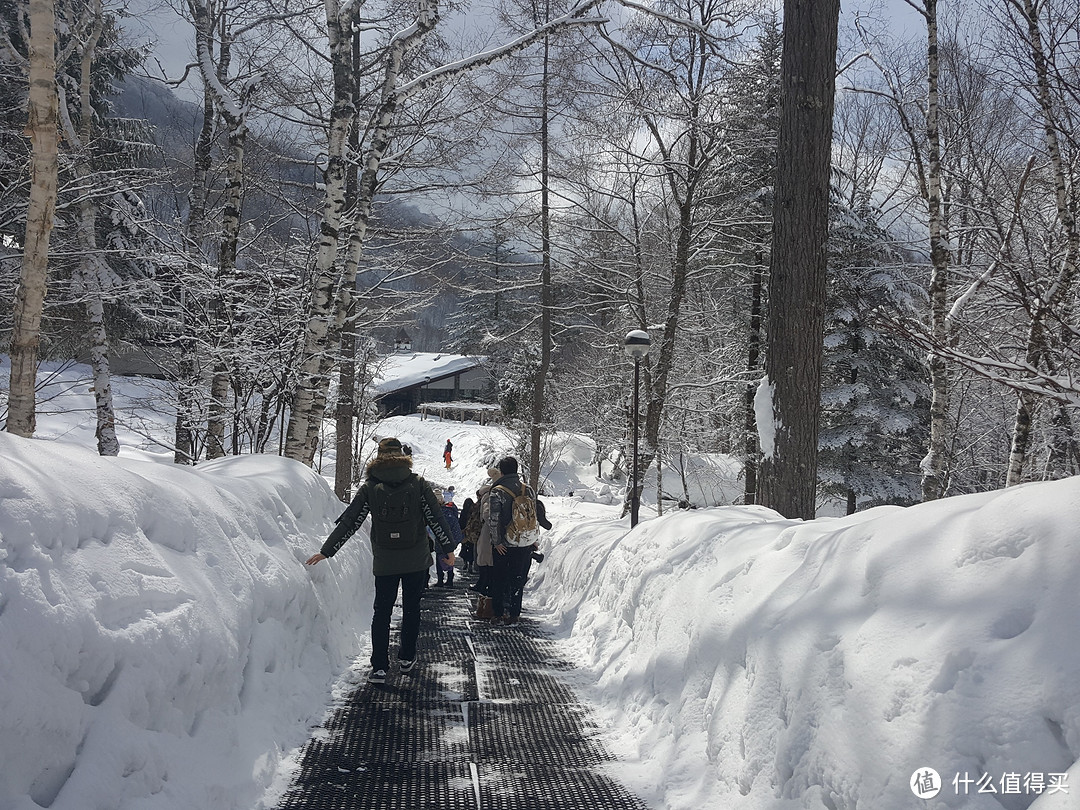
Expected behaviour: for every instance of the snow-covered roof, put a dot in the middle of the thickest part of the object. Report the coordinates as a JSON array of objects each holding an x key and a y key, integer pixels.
[{"x": 406, "y": 369}]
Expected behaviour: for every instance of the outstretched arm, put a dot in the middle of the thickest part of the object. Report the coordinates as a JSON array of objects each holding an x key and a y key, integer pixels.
[{"x": 347, "y": 525}]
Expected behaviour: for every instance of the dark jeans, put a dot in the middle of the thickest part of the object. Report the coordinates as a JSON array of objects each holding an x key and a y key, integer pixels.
[
  {"x": 509, "y": 578},
  {"x": 484, "y": 579},
  {"x": 386, "y": 589}
]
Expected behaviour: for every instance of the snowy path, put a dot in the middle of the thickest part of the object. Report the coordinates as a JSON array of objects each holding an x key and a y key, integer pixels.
[{"x": 483, "y": 722}]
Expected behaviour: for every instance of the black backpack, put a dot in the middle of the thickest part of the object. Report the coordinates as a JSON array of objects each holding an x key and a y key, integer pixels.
[{"x": 396, "y": 515}]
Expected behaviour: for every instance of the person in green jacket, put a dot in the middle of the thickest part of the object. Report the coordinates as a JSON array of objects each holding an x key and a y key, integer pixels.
[{"x": 402, "y": 506}]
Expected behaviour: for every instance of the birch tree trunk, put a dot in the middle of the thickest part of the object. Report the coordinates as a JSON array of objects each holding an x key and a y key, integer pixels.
[
  {"x": 187, "y": 369},
  {"x": 230, "y": 234},
  {"x": 232, "y": 110},
  {"x": 216, "y": 410},
  {"x": 659, "y": 483},
  {"x": 934, "y": 480},
  {"x": 304, "y": 423},
  {"x": 796, "y": 312},
  {"x": 91, "y": 272},
  {"x": 346, "y": 402},
  {"x": 426, "y": 20},
  {"x": 1061, "y": 287},
  {"x": 346, "y": 410},
  {"x": 33, "y": 281},
  {"x": 753, "y": 366},
  {"x": 327, "y": 308}
]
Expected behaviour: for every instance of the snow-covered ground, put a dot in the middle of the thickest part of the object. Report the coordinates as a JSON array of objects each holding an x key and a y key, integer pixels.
[{"x": 163, "y": 647}]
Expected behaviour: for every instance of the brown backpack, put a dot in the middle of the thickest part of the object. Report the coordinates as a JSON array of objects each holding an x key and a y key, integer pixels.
[
  {"x": 523, "y": 528},
  {"x": 473, "y": 525}
]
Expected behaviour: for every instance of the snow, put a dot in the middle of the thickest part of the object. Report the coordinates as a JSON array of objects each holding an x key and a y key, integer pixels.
[
  {"x": 748, "y": 661},
  {"x": 162, "y": 646},
  {"x": 764, "y": 417},
  {"x": 405, "y": 369}
]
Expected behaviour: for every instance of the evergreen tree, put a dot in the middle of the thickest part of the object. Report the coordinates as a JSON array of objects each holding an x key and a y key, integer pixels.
[
  {"x": 116, "y": 154},
  {"x": 486, "y": 307},
  {"x": 875, "y": 395}
]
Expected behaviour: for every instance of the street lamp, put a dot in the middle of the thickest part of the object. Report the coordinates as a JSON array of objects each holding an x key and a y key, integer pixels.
[{"x": 637, "y": 345}]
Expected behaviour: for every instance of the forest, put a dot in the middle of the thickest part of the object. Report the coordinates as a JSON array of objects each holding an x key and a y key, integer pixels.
[{"x": 530, "y": 180}]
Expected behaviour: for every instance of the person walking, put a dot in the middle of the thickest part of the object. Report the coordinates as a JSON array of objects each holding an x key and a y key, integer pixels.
[
  {"x": 485, "y": 565},
  {"x": 447, "y": 453},
  {"x": 469, "y": 519},
  {"x": 402, "y": 506},
  {"x": 450, "y": 512},
  {"x": 515, "y": 534}
]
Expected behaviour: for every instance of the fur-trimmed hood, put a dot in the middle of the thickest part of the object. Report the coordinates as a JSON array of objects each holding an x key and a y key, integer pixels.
[{"x": 389, "y": 469}]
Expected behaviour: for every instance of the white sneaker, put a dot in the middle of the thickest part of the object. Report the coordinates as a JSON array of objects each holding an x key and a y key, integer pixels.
[
  {"x": 406, "y": 666},
  {"x": 377, "y": 676}
]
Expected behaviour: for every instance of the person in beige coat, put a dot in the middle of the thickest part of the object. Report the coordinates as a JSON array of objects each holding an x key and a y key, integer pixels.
[{"x": 484, "y": 555}]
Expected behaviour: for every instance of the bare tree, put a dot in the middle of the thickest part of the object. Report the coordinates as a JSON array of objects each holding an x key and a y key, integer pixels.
[
  {"x": 92, "y": 271},
  {"x": 328, "y": 301},
  {"x": 1060, "y": 289},
  {"x": 42, "y": 126},
  {"x": 995, "y": 230}
]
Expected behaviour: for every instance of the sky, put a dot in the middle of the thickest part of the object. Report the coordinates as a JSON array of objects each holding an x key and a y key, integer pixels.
[
  {"x": 156, "y": 22},
  {"x": 163, "y": 647}
]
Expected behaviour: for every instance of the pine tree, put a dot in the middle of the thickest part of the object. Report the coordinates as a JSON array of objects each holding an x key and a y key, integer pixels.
[{"x": 875, "y": 396}]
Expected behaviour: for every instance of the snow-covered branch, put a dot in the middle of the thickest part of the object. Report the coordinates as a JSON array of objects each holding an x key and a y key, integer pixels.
[
  {"x": 1015, "y": 374},
  {"x": 574, "y": 17},
  {"x": 1003, "y": 251},
  {"x": 682, "y": 22}
]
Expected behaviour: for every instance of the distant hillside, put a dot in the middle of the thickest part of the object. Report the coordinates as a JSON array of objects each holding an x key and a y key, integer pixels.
[
  {"x": 175, "y": 122},
  {"x": 290, "y": 169}
]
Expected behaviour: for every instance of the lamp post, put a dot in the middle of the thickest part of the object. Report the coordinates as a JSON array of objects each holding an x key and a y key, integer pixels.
[{"x": 637, "y": 345}]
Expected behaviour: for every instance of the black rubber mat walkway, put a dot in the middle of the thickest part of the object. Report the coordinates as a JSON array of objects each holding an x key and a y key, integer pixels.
[{"x": 482, "y": 722}]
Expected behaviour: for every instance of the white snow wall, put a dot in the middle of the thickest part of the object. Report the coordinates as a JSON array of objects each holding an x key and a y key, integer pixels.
[
  {"x": 161, "y": 642},
  {"x": 747, "y": 661}
]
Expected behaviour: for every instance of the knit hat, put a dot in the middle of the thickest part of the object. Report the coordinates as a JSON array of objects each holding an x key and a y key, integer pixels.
[{"x": 390, "y": 447}]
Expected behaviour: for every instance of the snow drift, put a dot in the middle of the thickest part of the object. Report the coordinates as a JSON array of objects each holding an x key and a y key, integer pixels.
[
  {"x": 744, "y": 660},
  {"x": 162, "y": 646},
  {"x": 157, "y": 623}
]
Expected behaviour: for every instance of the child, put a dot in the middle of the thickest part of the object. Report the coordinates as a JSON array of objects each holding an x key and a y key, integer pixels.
[
  {"x": 469, "y": 520},
  {"x": 445, "y": 569}
]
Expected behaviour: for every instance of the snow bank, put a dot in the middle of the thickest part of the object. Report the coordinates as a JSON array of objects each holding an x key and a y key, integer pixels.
[
  {"x": 162, "y": 647},
  {"x": 746, "y": 661},
  {"x": 161, "y": 642}
]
